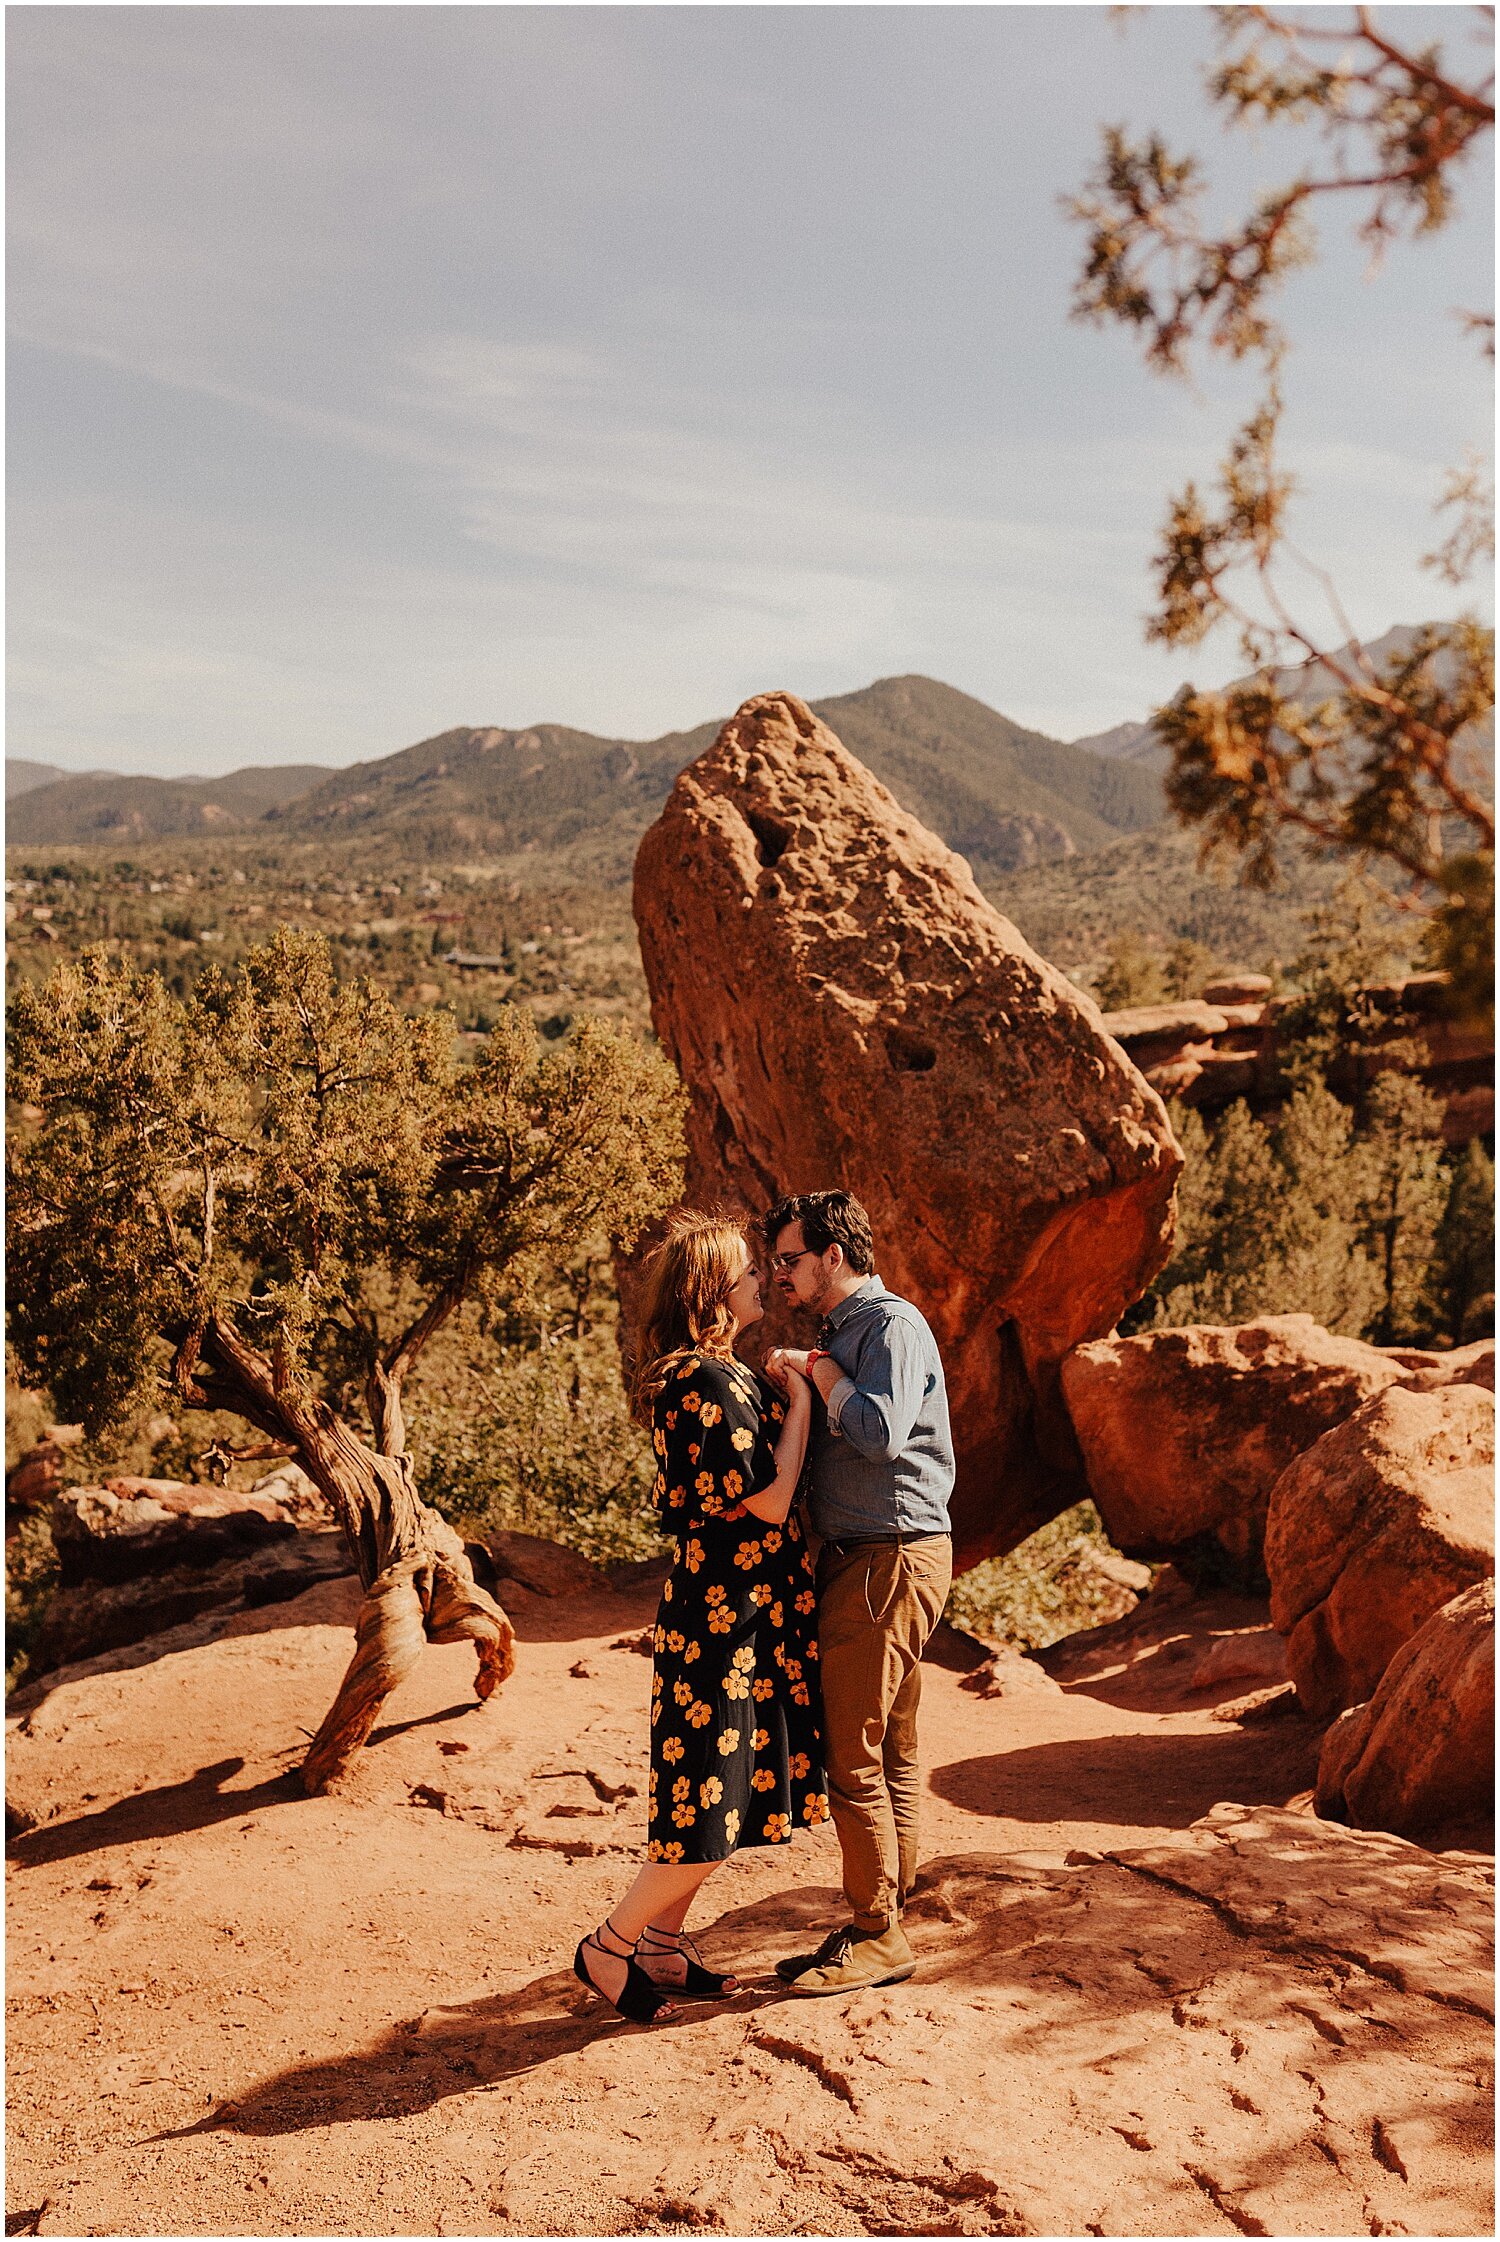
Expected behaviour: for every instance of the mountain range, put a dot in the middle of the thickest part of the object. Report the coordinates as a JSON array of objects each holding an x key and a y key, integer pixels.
[{"x": 1004, "y": 796}]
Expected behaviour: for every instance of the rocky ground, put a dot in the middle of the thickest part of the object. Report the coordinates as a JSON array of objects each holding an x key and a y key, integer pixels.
[{"x": 1156, "y": 1996}]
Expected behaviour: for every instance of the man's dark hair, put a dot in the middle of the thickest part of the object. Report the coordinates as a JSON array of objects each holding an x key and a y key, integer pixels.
[{"x": 828, "y": 1218}]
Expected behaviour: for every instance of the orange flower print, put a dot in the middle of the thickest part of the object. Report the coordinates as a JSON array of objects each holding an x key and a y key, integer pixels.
[
  {"x": 694, "y": 1451},
  {"x": 671, "y": 1750},
  {"x": 732, "y": 1824},
  {"x": 734, "y": 1485},
  {"x": 655, "y": 1714},
  {"x": 761, "y": 1593},
  {"x": 720, "y": 1619},
  {"x": 772, "y": 1541},
  {"x": 709, "y": 1415},
  {"x": 778, "y": 1616},
  {"x": 659, "y": 1441},
  {"x": 812, "y": 1646},
  {"x": 692, "y": 1402},
  {"x": 677, "y": 1498},
  {"x": 672, "y": 1853},
  {"x": 776, "y": 1412},
  {"x": 671, "y": 1420},
  {"x": 704, "y": 1483},
  {"x": 779, "y": 1654},
  {"x": 660, "y": 1638},
  {"x": 666, "y": 1591},
  {"x": 658, "y": 1486},
  {"x": 799, "y": 1764},
  {"x": 710, "y": 1792},
  {"x": 800, "y": 1694},
  {"x": 741, "y": 1437},
  {"x": 729, "y": 1741},
  {"x": 655, "y": 1851},
  {"x": 694, "y": 1650},
  {"x": 778, "y": 1826},
  {"x": 714, "y": 1592},
  {"x": 682, "y": 1788},
  {"x": 792, "y": 1668},
  {"x": 760, "y": 1739},
  {"x": 748, "y": 1555},
  {"x": 689, "y": 1368},
  {"x": 736, "y": 1685},
  {"x": 700, "y": 1714},
  {"x": 763, "y": 1779},
  {"x": 744, "y": 1657},
  {"x": 683, "y": 1817},
  {"x": 693, "y": 1555},
  {"x": 806, "y": 1602},
  {"x": 764, "y": 1688},
  {"x": 675, "y": 1641},
  {"x": 682, "y": 1691},
  {"x": 815, "y": 1807}
]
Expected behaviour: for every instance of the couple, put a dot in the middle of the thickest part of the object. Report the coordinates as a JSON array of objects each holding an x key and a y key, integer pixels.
[{"x": 766, "y": 1673}]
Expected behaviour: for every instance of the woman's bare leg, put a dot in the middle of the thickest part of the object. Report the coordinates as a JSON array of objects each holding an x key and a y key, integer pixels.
[
  {"x": 659, "y": 1954},
  {"x": 660, "y": 1886}
]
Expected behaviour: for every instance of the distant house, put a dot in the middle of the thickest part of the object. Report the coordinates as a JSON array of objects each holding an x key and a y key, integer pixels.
[{"x": 468, "y": 961}]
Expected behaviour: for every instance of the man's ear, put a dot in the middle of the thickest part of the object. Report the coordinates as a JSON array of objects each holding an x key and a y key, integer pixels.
[{"x": 838, "y": 1256}]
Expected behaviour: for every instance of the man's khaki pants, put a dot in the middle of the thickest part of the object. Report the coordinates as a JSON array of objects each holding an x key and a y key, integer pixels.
[{"x": 877, "y": 1604}]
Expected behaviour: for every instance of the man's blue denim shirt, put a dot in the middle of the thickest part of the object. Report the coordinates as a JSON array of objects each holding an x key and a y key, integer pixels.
[{"x": 887, "y": 1468}]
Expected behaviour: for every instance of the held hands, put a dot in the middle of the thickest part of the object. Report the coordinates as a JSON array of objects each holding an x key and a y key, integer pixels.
[{"x": 786, "y": 1367}]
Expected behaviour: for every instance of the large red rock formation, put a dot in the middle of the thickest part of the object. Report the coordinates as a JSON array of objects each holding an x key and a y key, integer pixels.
[
  {"x": 1376, "y": 1527},
  {"x": 1185, "y": 1432},
  {"x": 1420, "y": 1754},
  {"x": 846, "y": 1008}
]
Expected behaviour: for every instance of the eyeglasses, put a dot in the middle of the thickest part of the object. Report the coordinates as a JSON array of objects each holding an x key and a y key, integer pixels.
[{"x": 789, "y": 1260}]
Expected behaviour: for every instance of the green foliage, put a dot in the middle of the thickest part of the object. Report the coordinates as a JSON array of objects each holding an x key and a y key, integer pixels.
[
  {"x": 1461, "y": 1276},
  {"x": 1045, "y": 1589},
  {"x": 285, "y": 1158},
  {"x": 1405, "y": 1192},
  {"x": 1270, "y": 1220},
  {"x": 30, "y": 1579},
  {"x": 1133, "y": 975},
  {"x": 545, "y": 1444}
]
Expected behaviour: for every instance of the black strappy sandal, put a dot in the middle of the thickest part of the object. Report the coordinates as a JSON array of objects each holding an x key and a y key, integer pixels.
[
  {"x": 640, "y": 2001},
  {"x": 700, "y": 1984}
]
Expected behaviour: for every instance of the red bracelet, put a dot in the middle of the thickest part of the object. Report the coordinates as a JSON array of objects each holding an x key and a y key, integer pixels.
[{"x": 817, "y": 1354}]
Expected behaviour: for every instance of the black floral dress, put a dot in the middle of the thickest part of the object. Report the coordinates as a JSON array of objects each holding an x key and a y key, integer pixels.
[{"x": 736, "y": 1745}]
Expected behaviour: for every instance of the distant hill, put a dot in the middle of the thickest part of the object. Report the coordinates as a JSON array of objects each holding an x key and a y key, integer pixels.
[
  {"x": 1002, "y": 795},
  {"x": 1139, "y": 746},
  {"x": 23, "y": 777},
  {"x": 100, "y": 806}
]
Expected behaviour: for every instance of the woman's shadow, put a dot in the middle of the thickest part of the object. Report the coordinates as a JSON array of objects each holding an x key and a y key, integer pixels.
[{"x": 445, "y": 2051}]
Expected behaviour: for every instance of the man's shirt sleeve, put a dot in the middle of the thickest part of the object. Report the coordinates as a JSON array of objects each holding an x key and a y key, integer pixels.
[{"x": 876, "y": 1413}]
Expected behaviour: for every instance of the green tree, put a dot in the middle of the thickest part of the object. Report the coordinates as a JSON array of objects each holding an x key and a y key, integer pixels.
[
  {"x": 1461, "y": 1278},
  {"x": 1132, "y": 974},
  {"x": 1405, "y": 1191},
  {"x": 268, "y": 1198},
  {"x": 1354, "y": 756}
]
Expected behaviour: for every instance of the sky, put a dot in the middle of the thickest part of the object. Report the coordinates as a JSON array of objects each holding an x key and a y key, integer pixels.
[{"x": 377, "y": 370}]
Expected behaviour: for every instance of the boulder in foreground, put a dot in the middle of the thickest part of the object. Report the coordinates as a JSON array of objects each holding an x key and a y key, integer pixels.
[
  {"x": 1185, "y": 1432},
  {"x": 846, "y": 1008},
  {"x": 1382, "y": 1522},
  {"x": 1421, "y": 1753}
]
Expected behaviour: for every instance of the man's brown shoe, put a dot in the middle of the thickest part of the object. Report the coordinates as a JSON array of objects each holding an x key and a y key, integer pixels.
[{"x": 872, "y": 1960}]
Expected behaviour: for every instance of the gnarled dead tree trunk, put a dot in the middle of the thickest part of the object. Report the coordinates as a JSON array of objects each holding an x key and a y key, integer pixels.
[{"x": 419, "y": 1583}]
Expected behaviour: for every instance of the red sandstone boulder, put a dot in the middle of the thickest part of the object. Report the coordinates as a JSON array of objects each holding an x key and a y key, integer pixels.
[
  {"x": 1420, "y": 1755},
  {"x": 1376, "y": 1527},
  {"x": 1184, "y": 1433},
  {"x": 846, "y": 1008}
]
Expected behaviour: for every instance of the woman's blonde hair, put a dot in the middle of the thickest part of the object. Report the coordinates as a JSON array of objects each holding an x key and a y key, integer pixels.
[{"x": 685, "y": 1310}]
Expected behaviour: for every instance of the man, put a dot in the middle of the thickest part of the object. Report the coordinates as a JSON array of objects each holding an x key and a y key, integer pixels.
[{"x": 880, "y": 1471}]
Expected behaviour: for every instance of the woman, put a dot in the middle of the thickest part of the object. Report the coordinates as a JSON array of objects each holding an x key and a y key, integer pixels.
[{"x": 736, "y": 1752}]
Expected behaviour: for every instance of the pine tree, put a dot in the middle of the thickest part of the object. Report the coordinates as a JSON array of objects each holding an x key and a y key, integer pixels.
[{"x": 269, "y": 1197}]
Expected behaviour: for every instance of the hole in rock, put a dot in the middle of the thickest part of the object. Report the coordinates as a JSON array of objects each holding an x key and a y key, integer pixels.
[
  {"x": 772, "y": 837},
  {"x": 909, "y": 1053}
]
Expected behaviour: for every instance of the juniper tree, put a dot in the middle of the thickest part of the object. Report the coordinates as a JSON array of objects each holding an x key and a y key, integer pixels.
[
  {"x": 269, "y": 1197},
  {"x": 1355, "y": 756}
]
